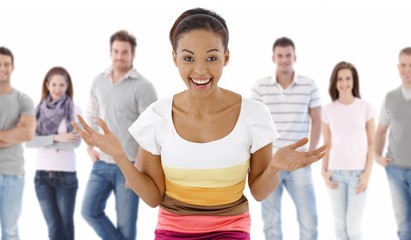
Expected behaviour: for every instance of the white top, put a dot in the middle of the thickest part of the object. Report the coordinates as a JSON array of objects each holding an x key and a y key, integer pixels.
[
  {"x": 154, "y": 131},
  {"x": 55, "y": 156},
  {"x": 347, "y": 123}
]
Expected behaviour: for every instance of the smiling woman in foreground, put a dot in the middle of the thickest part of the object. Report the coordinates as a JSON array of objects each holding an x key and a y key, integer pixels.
[{"x": 198, "y": 147}]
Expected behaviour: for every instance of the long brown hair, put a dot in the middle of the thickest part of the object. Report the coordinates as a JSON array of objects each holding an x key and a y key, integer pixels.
[
  {"x": 57, "y": 71},
  {"x": 334, "y": 77}
]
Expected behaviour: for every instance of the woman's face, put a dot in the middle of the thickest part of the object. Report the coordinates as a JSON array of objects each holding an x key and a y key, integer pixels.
[
  {"x": 200, "y": 59},
  {"x": 57, "y": 86},
  {"x": 345, "y": 81}
]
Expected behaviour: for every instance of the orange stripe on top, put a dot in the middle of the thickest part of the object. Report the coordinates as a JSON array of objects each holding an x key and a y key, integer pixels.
[
  {"x": 200, "y": 224},
  {"x": 205, "y": 196}
]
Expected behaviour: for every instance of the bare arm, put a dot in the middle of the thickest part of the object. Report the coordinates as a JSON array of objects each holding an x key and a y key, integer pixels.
[
  {"x": 315, "y": 132},
  {"x": 147, "y": 182},
  {"x": 262, "y": 179},
  {"x": 324, "y": 169},
  {"x": 370, "y": 128},
  {"x": 23, "y": 132},
  {"x": 380, "y": 138},
  {"x": 264, "y": 167}
]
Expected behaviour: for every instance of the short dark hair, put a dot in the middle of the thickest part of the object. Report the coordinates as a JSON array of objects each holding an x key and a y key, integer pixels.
[
  {"x": 283, "y": 42},
  {"x": 7, "y": 52},
  {"x": 334, "y": 77},
  {"x": 124, "y": 36},
  {"x": 199, "y": 18},
  {"x": 405, "y": 51}
]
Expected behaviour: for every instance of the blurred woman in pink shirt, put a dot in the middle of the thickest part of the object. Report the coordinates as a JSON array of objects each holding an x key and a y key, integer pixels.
[{"x": 348, "y": 131}]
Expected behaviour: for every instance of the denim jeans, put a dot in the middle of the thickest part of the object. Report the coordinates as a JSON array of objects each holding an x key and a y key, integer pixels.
[
  {"x": 301, "y": 189},
  {"x": 56, "y": 193},
  {"x": 399, "y": 180},
  {"x": 11, "y": 199},
  {"x": 347, "y": 205},
  {"x": 104, "y": 179}
]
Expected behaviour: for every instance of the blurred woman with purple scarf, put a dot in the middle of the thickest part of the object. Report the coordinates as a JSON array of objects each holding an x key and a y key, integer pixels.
[{"x": 56, "y": 180}]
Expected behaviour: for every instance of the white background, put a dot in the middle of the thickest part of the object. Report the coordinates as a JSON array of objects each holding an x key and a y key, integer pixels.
[{"x": 76, "y": 35}]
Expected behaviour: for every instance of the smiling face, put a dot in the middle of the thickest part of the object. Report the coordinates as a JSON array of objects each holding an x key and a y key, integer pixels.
[
  {"x": 6, "y": 68},
  {"x": 404, "y": 68},
  {"x": 345, "y": 82},
  {"x": 121, "y": 55},
  {"x": 284, "y": 58},
  {"x": 200, "y": 58},
  {"x": 57, "y": 86}
]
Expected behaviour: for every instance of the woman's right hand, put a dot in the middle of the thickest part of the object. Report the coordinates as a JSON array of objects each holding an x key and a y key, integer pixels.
[
  {"x": 94, "y": 155},
  {"x": 289, "y": 159},
  {"x": 327, "y": 179},
  {"x": 107, "y": 142},
  {"x": 383, "y": 161}
]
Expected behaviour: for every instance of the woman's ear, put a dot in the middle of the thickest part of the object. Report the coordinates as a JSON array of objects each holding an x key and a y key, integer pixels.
[
  {"x": 174, "y": 58},
  {"x": 226, "y": 57}
]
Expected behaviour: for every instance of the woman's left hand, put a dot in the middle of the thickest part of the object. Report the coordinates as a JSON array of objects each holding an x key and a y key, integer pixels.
[
  {"x": 107, "y": 142},
  {"x": 288, "y": 159},
  {"x": 362, "y": 183}
]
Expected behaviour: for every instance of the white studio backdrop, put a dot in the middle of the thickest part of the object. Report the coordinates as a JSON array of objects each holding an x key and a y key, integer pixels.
[{"x": 76, "y": 36}]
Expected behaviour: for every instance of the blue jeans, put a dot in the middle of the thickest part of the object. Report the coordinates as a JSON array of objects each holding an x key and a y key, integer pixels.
[
  {"x": 347, "y": 205},
  {"x": 56, "y": 193},
  {"x": 399, "y": 180},
  {"x": 11, "y": 199},
  {"x": 104, "y": 179},
  {"x": 301, "y": 189}
]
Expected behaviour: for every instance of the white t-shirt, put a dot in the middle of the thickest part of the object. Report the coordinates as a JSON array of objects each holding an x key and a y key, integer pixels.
[
  {"x": 181, "y": 159},
  {"x": 347, "y": 124},
  {"x": 55, "y": 159}
]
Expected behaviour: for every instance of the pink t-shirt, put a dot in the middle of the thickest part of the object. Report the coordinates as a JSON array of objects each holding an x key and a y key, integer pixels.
[{"x": 347, "y": 124}]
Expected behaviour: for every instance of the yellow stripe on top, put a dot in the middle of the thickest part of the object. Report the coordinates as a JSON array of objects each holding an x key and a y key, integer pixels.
[
  {"x": 206, "y": 187},
  {"x": 207, "y": 178},
  {"x": 205, "y": 196}
]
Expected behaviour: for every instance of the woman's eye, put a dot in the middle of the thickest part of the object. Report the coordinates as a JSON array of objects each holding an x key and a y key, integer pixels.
[
  {"x": 212, "y": 59},
  {"x": 188, "y": 59}
]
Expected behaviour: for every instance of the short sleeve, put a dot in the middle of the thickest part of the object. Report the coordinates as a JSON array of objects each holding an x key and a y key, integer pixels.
[
  {"x": 324, "y": 114},
  {"x": 27, "y": 106},
  {"x": 145, "y": 130},
  {"x": 370, "y": 112},
  {"x": 261, "y": 125},
  {"x": 145, "y": 95},
  {"x": 384, "y": 116},
  {"x": 315, "y": 99},
  {"x": 254, "y": 93}
]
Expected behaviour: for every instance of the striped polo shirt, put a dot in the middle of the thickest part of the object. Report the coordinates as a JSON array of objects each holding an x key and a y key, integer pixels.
[{"x": 289, "y": 107}]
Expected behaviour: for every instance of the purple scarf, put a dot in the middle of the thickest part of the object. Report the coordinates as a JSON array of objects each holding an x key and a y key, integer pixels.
[{"x": 49, "y": 115}]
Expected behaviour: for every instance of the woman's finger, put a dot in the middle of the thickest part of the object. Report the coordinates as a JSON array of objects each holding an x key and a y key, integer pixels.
[
  {"x": 85, "y": 126},
  {"x": 84, "y": 135},
  {"x": 76, "y": 127},
  {"x": 320, "y": 150},
  {"x": 103, "y": 126},
  {"x": 299, "y": 143}
]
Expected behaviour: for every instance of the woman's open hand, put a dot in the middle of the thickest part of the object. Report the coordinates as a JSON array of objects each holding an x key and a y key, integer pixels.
[
  {"x": 288, "y": 159},
  {"x": 107, "y": 142}
]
